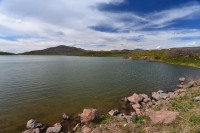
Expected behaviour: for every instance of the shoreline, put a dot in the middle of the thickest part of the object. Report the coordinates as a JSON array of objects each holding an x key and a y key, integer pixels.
[
  {"x": 160, "y": 61},
  {"x": 140, "y": 106}
]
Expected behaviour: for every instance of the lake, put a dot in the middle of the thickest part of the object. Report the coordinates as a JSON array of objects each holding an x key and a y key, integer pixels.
[{"x": 43, "y": 87}]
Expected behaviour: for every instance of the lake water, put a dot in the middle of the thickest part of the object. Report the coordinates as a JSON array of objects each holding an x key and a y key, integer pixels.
[{"x": 43, "y": 87}]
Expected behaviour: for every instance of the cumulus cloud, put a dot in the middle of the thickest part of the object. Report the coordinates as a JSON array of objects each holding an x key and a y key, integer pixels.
[{"x": 41, "y": 24}]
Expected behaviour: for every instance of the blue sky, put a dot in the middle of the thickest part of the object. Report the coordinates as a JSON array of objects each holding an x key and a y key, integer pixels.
[{"x": 99, "y": 24}]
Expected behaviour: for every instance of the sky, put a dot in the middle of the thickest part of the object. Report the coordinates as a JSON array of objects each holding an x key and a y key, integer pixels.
[{"x": 27, "y": 25}]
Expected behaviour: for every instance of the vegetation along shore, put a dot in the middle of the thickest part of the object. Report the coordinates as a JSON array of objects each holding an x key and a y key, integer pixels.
[
  {"x": 188, "y": 56},
  {"x": 162, "y": 112}
]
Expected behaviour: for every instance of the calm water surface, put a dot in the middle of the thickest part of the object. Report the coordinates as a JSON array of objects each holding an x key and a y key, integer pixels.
[{"x": 43, "y": 87}]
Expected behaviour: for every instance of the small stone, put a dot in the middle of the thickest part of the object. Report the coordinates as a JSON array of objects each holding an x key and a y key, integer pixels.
[
  {"x": 120, "y": 116},
  {"x": 144, "y": 95},
  {"x": 130, "y": 118},
  {"x": 138, "y": 112},
  {"x": 86, "y": 129},
  {"x": 113, "y": 112},
  {"x": 146, "y": 100},
  {"x": 156, "y": 95},
  {"x": 124, "y": 99},
  {"x": 136, "y": 106},
  {"x": 55, "y": 129},
  {"x": 33, "y": 124},
  {"x": 76, "y": 127},
  {"x": 65, "y": 116},
  {"x": 160, "y": 91},
  {"x": 164, "y": 95},
  {"x": 182, "y": 79},
  {"x": 36, "y": 130},
  {"x": 196, "y": 99}
]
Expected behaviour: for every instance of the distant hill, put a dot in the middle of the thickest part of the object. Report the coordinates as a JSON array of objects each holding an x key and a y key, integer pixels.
[
  {"x": 59, "y": 50},
  {"x": 6, "y": 53},
  {"x": 67, "y": 50}
]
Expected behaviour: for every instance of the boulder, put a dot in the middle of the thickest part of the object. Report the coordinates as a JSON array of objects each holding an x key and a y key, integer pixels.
[
  {"x": 120, "y": 116},
  {"x": 88, "y": 115},
  {"x": 65, "y": 116},
  {"x": 76, "y": 127},
  {"x": 196, "y": 99},
  {"x": 136, "y": 106},
  {"x": 160, "y": 95},
  {"x": 130, "y": 118},
  {"x": 162, "y": 116},
  {"x": 164, "y": 95},
  {"x": 55, "y": 129},
  {"x": 160, "y": 91},
  {"x": 113, "y": 112},
  {"x": 156, "y": 95},
  {"x": 135, "y": 98},
  {"x": 36, "y": 130},
  {"x": 144, "y": 95},
  {"x": 33, "y": 124}
]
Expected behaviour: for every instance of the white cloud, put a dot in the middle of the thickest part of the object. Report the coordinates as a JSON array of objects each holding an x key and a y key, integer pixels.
[{"x": 50, "y": 23}]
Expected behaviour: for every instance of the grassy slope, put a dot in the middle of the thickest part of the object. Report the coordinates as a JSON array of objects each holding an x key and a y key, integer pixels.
[
  {"x": 187, "y": 122},
  {"x": 165, "y": 56}
]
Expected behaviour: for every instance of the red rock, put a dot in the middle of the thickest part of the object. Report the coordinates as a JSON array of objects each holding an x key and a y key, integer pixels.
[
  {"x": 156, "y": 95},
  {"x": 138, "y": 112},
  {"x": 86, "y": 129},
  {"x": 162, "y": 116},
  {"x": 55, "y": 129},
  {"x": 136, "y": 106},
  {"x": 88, "y": 115},
  {"x": 144, "y": 95},
  {"x": 173, "y": 95},
  {"x": 135, "y": 98},
  {"x": 36, "y": 130}
]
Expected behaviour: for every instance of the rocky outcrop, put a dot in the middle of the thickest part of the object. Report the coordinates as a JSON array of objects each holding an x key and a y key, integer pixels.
[
  {"x": 162, "y": 116},
  {"x": 88, "y": 115}
]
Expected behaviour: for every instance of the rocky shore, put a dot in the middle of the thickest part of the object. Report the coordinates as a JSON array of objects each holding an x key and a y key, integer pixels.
[{"x": 156, "y": 113}]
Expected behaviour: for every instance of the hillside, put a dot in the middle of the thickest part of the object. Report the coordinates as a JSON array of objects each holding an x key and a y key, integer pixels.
[
  {"x": 189, "y": 56},
  {"x": 59, "y": 50},
  {"x": 67, "y": 50},
  {"x": 6, "y": 53}
]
